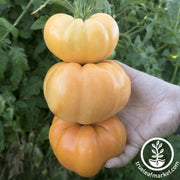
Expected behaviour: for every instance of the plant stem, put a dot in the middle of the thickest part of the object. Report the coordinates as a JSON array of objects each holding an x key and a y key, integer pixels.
[
  {"x": 41, "y": 7},
  {"x": 64, "y": 3},
  {"x": 177, "y": 22},
  {"x": 161, "y": 47},
  {"x": 174, "y": 74},
  {"x": 5, "y": 44},
  {"x": 124, "y": 10},
  {"x": 82, "y": 10},
  {"x": 139, "y": 30},
  {"x": 17, "y": 20},
  {"x": 127, "y": 32},
  {"x": 127, "y": 37}
]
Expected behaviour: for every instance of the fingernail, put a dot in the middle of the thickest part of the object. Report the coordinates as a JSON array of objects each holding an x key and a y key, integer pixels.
[{"x": 108, "y": 165}]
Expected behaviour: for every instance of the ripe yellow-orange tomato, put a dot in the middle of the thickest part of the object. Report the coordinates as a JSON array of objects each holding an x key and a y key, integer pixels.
[
  {"x": 86, "y": 94},
  {"x": 75, "y": 40},
  {"x": 85, "y": 148}
]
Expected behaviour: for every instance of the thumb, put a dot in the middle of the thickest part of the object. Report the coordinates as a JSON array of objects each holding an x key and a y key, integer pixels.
[
  {"x": 133, "y": 73},
  {"x": 129, "y": 153}
]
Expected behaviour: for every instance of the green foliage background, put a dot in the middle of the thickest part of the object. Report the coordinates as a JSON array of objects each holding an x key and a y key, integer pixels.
[{"x": 149, "y": 41}]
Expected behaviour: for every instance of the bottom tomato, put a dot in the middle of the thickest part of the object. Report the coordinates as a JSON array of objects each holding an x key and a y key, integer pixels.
[{"x": 84, "y": 149}]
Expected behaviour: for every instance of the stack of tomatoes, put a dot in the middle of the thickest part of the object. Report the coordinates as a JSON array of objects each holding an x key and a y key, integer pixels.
[{"x": 85, "y": 91}]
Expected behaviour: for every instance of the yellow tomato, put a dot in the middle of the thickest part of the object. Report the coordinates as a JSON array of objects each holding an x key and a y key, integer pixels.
[
  {"x": 86, "y": 94},
  {"x": 75, "y": 40},
  {"x": 85, "y": 148}
]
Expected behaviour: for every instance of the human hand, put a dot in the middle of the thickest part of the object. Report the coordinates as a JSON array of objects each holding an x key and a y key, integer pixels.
[{"x": 152, "y": 111}]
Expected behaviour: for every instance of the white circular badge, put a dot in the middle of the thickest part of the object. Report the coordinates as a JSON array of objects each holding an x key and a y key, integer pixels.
[{"x": 157, "y": 162}]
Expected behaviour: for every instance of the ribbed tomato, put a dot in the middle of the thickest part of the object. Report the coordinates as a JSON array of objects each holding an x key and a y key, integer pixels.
[
  {"x": 85, "y": 148},
  {"x": 86, "y": 94},
  {"x": 75, "y": 40}
]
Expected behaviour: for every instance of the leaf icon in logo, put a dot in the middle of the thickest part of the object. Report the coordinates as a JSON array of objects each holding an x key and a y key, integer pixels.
[
  {"x": 161, "y": 151},
  {"x": 157, "y": 155},
  {"x": 153, "y": 145},
  {"x": 153, "y": 151},
  {"x": 160, "y": 145},
  {"x": 160, "y": 156}
]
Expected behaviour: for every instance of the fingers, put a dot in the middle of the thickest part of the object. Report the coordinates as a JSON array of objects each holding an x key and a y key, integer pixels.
[{"x": 128, "y": 154}]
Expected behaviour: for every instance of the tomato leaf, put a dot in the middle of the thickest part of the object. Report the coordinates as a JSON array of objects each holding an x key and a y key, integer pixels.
[
  {"x": 4, "y": 22},
  {"x": 37, "y": 156},
  {"x": 32, "y": 87},
  {"x": 100, "y": 4},
  {"x": 3, "y": 63},
  {"x": 19, "y": 64},
  {"x": 2, "y": 104},
  {"x": 131, "y": 19},
  {"x": 39, "y": 23},
  {"x": 2, "y": 1},
  {"x": 173, "y": 7},
  {"x": 43, "y": 135},
  {"x": 149, "y": 33},
  {"x": 103, "y": 5}
]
